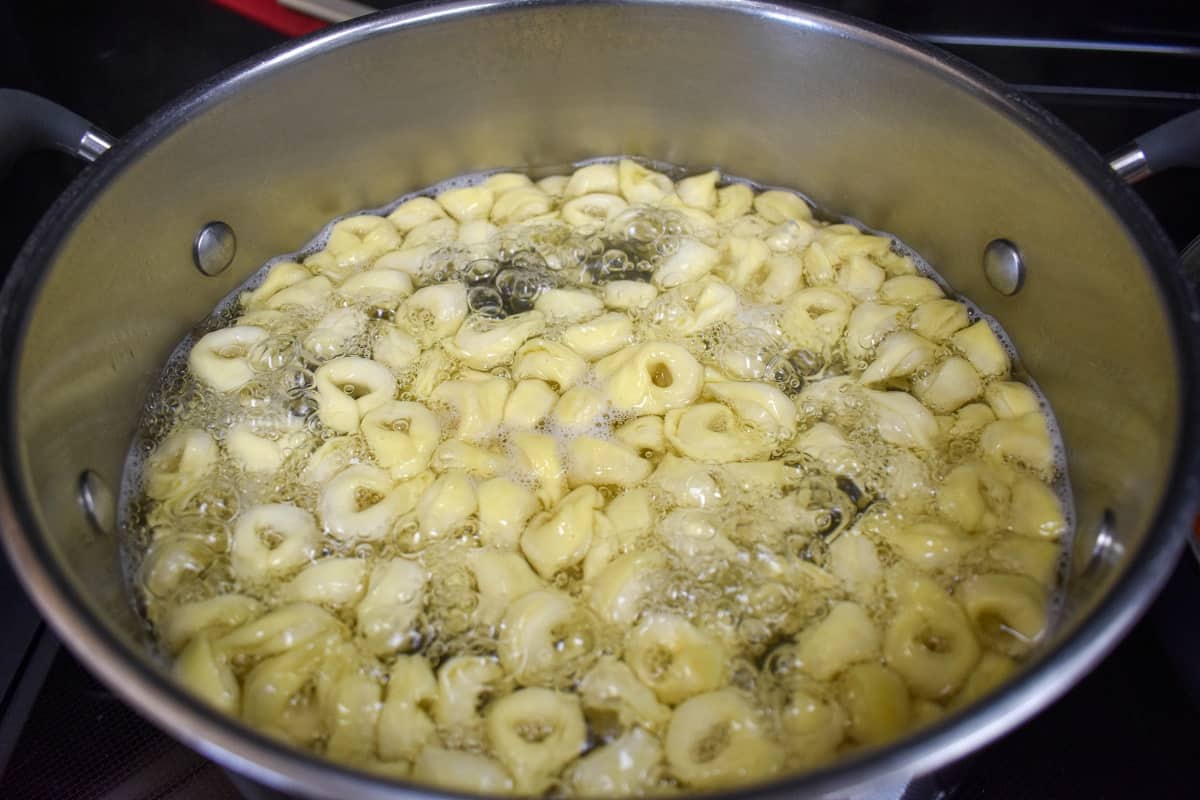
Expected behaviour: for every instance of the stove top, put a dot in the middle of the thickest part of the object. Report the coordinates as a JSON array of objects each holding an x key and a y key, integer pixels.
[{"x": 1128, "y": 729}]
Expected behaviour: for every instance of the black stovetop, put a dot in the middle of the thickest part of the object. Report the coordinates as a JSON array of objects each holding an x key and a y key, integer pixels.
[{"x": 1129, "y": 729}]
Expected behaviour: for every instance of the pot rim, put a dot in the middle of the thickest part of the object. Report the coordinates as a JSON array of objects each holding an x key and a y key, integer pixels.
[{"x": 231, "y": 744}]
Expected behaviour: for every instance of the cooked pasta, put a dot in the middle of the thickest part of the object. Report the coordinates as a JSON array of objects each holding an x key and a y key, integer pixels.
[{"x": 606, "y": 484}]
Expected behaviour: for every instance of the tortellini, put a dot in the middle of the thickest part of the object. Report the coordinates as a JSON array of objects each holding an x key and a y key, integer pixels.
[
  {"x": 279, "y": 631},
  {"x": 272, "y": 540},
  {"x": 593, "y": 178},
  {"x": 208, "y": 676},
  {"x": 979, "y": 344},
  {"x": 611, "y": 686},
  {"x": 676, "y": 659},
  {"x": 350, "y": 387},
  {"x": 624, "y": 766},
  {"x": 535, "y": 732},
  {"x": 355, "y": 242},
  {"x": 446, "y": 503},
  {"x": 221, "y": 359},
  {"x": 560, "y": 538},
  {"x": 436, "y": 312},
  {"x": 179, "y": 462},
  {"x": 903, "y": 421},
  {"x": 845, "y": 636},
  {"x": 604, "y": 462},
  {"x": 554, "y": 363},
  {"x": 477, "y": 404},
  {"x": 816, "y": 317},
  {"x": 900, "y": 354},
  {"x": 254, "y": 453},
  {"x": 949, "y": 385},
  {"x": 761, "y": 405},
  {"x": 402, "y": 436},
  {"x": 599, "y": 337},
  {"x": 629, "y": 295},
  {"x": 620, "y": 482},
  {"x": 877, "y": 703},
  {"x": 391, "y": 606},
  {"x": 692, "y": 261},
  {"x": 504, "y": 508},
  {"x": 1009, "y": 611},
  {"x": 171, "y": 563},
  {"x": 619, "y": 592},
  {"x": 464, "y": 683},
  {"x": 719, "y": 739},
  {"x": 589, "y": 209},
  {"x": 482, "y": 343},
  {"x": 814, "y": 725},
  {"x": 929, "y": 641},
  {"x": 461, "y": 771},
  {"x": 568, "y": 305},
  {"x": 651, "y": 378},
  {"x": 501, "y": 578},
  {"x": 334, "y": 331},
  {"x": 337, "y": 582},
  {"x": 215, "y": 615},
  {"x": 362, "y": 502},
  {"x": 642, "y": 185},
  {"x": 405, "y": 727}
]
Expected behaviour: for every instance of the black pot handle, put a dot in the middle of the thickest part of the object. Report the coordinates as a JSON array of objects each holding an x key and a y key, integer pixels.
[
  {"x": 1172, "y": 144},
  {"x": 29, "y": 123}
]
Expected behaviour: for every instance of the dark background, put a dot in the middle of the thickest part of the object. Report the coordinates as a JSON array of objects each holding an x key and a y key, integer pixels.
[{"x": 1130, "y": 729}]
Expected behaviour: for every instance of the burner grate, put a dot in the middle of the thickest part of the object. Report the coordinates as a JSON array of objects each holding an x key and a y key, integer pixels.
[{"x": 85, "y": 744}]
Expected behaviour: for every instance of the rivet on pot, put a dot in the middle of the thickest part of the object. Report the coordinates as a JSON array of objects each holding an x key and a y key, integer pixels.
[
  {"x": 1003, "y": 266},
  {"x": 214, "y": 248},
  {"x": 1106, "y": 549},
  {"x": 98, "y": 502}
]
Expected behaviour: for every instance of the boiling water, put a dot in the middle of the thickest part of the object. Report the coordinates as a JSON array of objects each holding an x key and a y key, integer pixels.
[{"x": 753, "y": 565}]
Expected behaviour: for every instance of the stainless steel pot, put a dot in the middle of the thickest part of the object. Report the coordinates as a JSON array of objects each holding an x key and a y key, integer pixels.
[{"x": 870, "y": 122}]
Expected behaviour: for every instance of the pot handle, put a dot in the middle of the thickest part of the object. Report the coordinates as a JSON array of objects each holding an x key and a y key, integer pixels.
[
  {"x": 29, "y": 123},
  {"x": 1172, "y": 144}
]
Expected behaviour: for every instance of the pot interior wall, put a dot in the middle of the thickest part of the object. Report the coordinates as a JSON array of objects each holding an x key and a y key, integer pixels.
[{"x": 866, "y": 127}]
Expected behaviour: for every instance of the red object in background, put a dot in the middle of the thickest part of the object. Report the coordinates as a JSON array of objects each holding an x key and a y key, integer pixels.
[{"x": 274, "y": 16}]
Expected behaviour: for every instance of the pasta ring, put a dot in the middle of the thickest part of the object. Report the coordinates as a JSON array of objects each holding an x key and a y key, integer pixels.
[
  {"x": 220, "y": 359},
  {"x": 272, "y": 540},
  {"x": 717, "y": 739},
  {"x": 535, "y": 733}
]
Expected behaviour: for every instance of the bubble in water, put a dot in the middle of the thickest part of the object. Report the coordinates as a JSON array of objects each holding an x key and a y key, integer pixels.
[
  {"x": 441, "y": 264},
  {"x": 217, "y": 498},
  {"x": 666, "y": 246},
  {"x": 486, "y": 301},
  {"x": 254, "y": 395},
  {"x": 213, "y": 532},
  {"x": 481, "y": 270},
  {"x": 528, "y": 260},
  {"x": 381, "y": 313},
  {"x": 273, "y": 353},
  {"x": 785, "y": 374},
  {"x": 668, "y": 311},
  {"x": 613, "y": 263},
  {"x": 519, "y": 288},
  {"x": 806, "y": 362},
  {"x": 319, "y": 348},
  {"x": 641, "y": 226},
  {"x": 746, "y": 353}
]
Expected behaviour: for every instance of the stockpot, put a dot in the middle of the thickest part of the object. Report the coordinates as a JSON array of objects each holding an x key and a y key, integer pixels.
[{"x": 873, "y": 124}]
